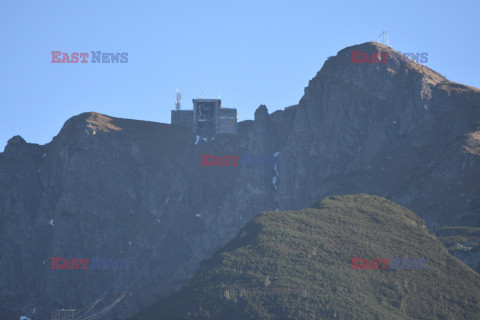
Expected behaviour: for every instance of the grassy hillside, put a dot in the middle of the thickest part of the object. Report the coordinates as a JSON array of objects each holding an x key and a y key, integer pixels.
[{"x": 297, "y": 265}]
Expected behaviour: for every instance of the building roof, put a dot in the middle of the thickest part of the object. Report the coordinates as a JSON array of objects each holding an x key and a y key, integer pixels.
[{"x": 205, "y": 100}]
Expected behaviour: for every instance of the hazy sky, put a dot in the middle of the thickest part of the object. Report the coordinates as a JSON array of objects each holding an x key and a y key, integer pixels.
[{"x": 249, "y": 52}]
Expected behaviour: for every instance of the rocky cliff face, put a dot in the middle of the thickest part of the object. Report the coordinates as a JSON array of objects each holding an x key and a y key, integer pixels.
[
  {"x": 125, "y": 189},
  {"x": 396, "y": 129}
]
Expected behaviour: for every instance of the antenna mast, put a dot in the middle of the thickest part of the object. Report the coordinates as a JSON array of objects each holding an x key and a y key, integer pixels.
[
  {"x": 383, "y": 35},
  {"x": 179, "y": 97}
]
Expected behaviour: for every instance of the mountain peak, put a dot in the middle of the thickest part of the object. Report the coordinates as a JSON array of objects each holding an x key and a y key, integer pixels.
[
  {"x": 16, "y": 140},
  {"x": 15, "y": 143},
  {"x": 374, "y": 59}
]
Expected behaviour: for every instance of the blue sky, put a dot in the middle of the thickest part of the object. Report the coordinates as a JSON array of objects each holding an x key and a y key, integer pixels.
[{"x": 249, "y": 52}]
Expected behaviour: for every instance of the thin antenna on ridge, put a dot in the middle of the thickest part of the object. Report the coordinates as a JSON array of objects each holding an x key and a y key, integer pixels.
[
  {"x": 383, "y": 35},
  {"x": 179, "y": 97}
]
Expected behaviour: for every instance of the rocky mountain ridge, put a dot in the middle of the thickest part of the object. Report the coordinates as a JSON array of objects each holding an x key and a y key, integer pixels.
[{"x": 117, "y": 188}]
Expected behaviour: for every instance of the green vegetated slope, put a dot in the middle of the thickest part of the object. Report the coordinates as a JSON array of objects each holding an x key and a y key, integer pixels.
[{"x": 297, "y": 265}]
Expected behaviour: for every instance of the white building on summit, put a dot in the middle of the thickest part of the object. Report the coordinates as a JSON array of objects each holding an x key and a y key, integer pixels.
[{"x": 207, "y": 118}]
